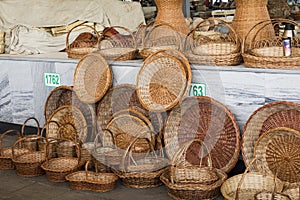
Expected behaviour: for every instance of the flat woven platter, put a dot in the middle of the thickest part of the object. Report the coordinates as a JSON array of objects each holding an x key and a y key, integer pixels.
[
  {"x": 267, "y": 117},
  {"x": 208, "y": 120},
  {"x": 92, "y": 78}
]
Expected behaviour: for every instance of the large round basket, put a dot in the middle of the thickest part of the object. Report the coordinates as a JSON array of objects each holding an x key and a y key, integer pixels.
[
  {"x": 269, "y": 116},
  {"x": 6, "y": 150},
  {"x": 208, "y": 120},
  {"x": 82, "y": 47}
]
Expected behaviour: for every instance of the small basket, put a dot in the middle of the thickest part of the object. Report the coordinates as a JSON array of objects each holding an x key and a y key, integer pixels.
[
  {"x": 6, "y": 152},
  {"x": 92, "y": 181},
  {"x": 28, "y": 163},
  {"x": 114, "y": 45},
  {"x": 217, "y": 45},
  {"x": 80, "y": 48},
  {"x": 57, "y": 168},
  {"x": 30, "y": 144}
]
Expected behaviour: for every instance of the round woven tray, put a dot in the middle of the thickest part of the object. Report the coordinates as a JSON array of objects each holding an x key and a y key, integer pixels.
[
  {"x": 92, "y": 78},
  {"x": 161, "y": 82},
  {"x": 272, "y": 115},
  {"x": 277, "y": 152},
  {"x": 71, "y": 115},
  {"x": 208, "y": 120}
]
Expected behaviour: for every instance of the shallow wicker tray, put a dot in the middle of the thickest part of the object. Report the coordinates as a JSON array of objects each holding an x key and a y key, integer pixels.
[
  {"x": 218, "y": 60},
  {"x": 92, "y": 78},
  {"x": 206, "y": 119},
  {"x": 271, "y": 115}
]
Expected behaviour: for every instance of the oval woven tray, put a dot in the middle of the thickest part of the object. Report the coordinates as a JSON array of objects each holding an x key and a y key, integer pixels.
[
  {"x": 208, "y": 120},
  {"x": 282, "y": 113},
  {"x": 92, "y": 78}
]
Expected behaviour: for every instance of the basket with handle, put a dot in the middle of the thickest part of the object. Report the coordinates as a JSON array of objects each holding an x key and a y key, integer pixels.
[
  {"x": 183, "y": 172},
  {"x": 292, "y": 191},
  {"x": 213, "y": 42},
  {"x": 80, "y": 48},
  {"x": 92, "y": 181},
  {"x": 30, "y": 144},
  {"x": 6, "y": 151},
  {"x": 117, "y": 43},
  {"x": 57, "y": 168},
  {"x": 28, "y": 163}
]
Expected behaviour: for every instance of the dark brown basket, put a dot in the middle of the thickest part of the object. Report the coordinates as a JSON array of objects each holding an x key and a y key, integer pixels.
[
  {"x": 208, "y": 120},
  {"x": 6, "y": 151}
]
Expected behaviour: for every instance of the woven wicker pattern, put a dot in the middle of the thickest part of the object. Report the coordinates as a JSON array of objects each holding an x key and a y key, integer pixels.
[
  {"x": 270, "y": 196},
  {"x": 161, "y": 83},
  {"x": 92, "y": 78},
  {"x": 72, "y": 118},
  {"x": 6, "y": 151},
  {"x": 208, "y": 120},
  {"x": 292, "y": 192},
  {"x": 288, "y": 113}
]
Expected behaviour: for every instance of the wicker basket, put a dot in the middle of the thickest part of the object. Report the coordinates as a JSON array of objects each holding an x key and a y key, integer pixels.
[
  {"x": 277, "y": 152},
  {"x": 92, "y": 78},
  {"x": 30, "y": 144},
  {"x": 57, "y": 168},
  {"x": 28, "y": 163},
  {"x": 295, "y": 16},
  {"x": 213, "y": 42},
  {"x": 269, "y": 116},
  {"x": 269, "y": 52},
  {"x": 92, "y": 181},
  {"x": 293, "y": 192},
  {"x": 206, "y": 119},
  {"x": 271, "y": 196},
  {"x": 193, "y": 190},
  {"x": 116, "y": 45},
  {"x": 80, "y": 48},
  {"x": 6, "y": 151}
]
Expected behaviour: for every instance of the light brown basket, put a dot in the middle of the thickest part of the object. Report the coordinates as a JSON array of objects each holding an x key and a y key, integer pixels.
[
  {"x": 92, "y": 181},
  {"x": 78, "y": 49},
  {"x": 28, "y": 163},
  {"x": 271, "y": 196},
  {"x": 197, "y": 191},
  {"x": 293, "y": 192},
  {"x": 213, "y": 42},
  {"x": 183, "y": 172},
  {"x": 114, "y": 44},
  {"x": 30, "y": 144},
  {"x": 6, "y": 150},
  {"x": 277, "y": 152},
  {"x": 206, "y": 119},
  {"x": 271, "y": 115},
  {"x": 57, "y": 168},
  {"x": 267, "y": 52},
  {"x": 92, "y": 78}
]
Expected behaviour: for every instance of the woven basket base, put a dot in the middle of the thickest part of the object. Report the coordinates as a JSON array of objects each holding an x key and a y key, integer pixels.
[
  {"x": 58, "y": 177},
  {"x": 29, "y": 169}
]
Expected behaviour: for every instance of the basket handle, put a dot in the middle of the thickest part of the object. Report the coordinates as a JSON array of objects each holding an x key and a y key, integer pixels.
[
  {"x": 25, "y": 122},
  {"x": 17, "y": 132},
  {"x": 106, "y": 29},
  {"x": 91, "y": 27},
  {"x": 86, "y": 168}
]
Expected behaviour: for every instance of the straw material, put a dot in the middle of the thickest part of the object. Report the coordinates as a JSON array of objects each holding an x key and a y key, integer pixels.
[
  {"x": 80, "y": 48},
  {"x": 293, "y": 192},
  {"x": 92, "y": 78},
  {"x": 208, "y": 120},
  {"x": 193, "y": 190},
  {"x": 30, "y": 144},
  {"x": 271, "y": 196},
  {"x": 92, "y": 181},
  {"x": 6, "y": 151},
  {"x": 161, "y": 82},
  {"x": 272, "y": 115},
  {"x": 277, "y": 151}
]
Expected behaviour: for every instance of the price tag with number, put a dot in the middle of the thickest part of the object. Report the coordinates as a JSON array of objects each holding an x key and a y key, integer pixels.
[
  {"x": 198, "y": 89},
  {"x": 52, "y": 79}
]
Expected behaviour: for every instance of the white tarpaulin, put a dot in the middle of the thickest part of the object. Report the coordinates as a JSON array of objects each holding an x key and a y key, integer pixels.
[{"x": 21, "y": 17}]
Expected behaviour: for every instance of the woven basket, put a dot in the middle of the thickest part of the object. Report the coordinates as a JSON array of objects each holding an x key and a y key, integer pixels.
[
  {"x": 161, "y": 82},
  {"x": 269, "y": 116},
  {"x": 213, "y": 42},
  {"x": 114, "y": 44},
  {"x": 6, "y": 151},
  {"x": 295, "y": 16},
  {"x": 271, "y": 196},
  {"x": 292, "y": 192},
  {"x": 183, "y": 172},
  {"x": 78, "y": 49},
  {"x": 30, "y": 144},
  {"x": 193, "y": 190},
  {"x": 92, "y": 181},
  {"x": 28, "y": 163},
  {"x": 206, "y": 119},
  {"x": 268, "y": 52},
  {"x": 57, "y": 168},
  {"x": 92, "y": 78},
  {"x": 64, "y": 95},
  {"x": 277, "y": 152}
]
